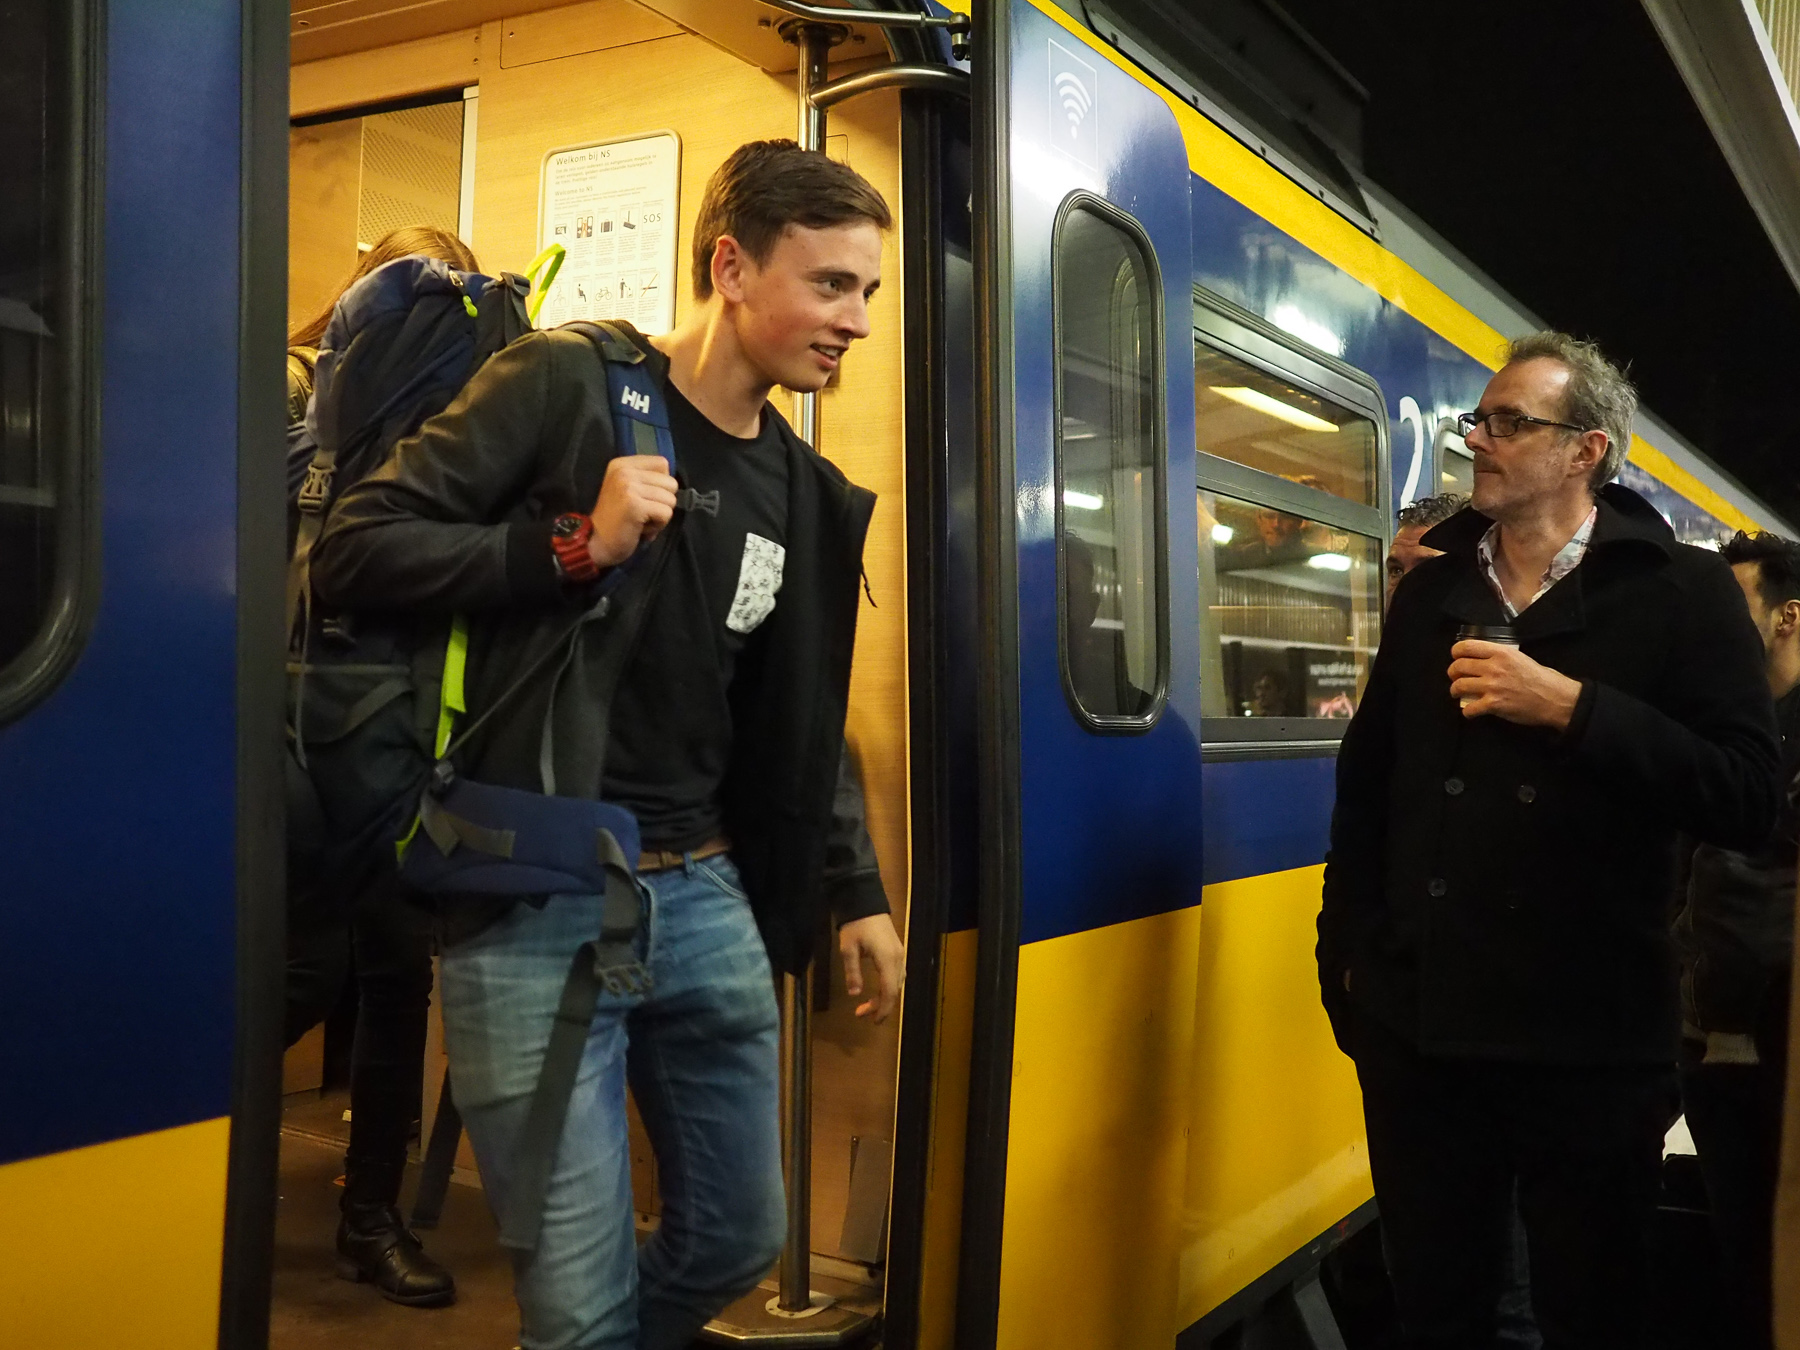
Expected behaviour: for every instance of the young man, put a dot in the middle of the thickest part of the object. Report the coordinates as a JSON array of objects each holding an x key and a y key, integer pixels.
[
  {"x": 1736, "y": 936},
  {"x": 725, "y": 733},
  {"x": 1494, "y": 950}
]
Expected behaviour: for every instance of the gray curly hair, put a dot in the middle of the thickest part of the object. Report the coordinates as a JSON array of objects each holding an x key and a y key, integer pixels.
[
  {"x": 1429, "y": 511},
  {"x": 1598, "y": 396}
]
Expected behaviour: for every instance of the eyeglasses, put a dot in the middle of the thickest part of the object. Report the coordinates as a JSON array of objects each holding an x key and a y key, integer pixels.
[{"x": 1502, "y": 424}]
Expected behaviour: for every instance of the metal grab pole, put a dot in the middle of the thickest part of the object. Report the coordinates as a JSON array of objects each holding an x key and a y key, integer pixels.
[
  {"x": 815, "y": 41},
  {"x": 796, "y": 1139}
]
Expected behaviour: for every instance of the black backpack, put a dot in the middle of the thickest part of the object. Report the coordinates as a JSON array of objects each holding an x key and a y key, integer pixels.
[{"x": 363, "y": 694}]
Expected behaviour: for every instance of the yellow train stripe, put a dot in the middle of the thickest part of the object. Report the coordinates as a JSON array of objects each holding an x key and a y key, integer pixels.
[
  {"x": 116, "y": 1245},
  {"x": 1097, "y": 1142},
  {"x": 1277, "y": 1150},
  {"x": 1659, "y": 466},
  {"x": 1219, "y": 158}
]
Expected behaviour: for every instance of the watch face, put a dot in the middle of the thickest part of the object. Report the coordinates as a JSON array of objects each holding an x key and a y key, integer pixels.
[{"x": 567, "y": 527}]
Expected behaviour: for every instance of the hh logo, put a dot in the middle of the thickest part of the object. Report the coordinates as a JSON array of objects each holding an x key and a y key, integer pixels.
[{"x": 638, "y": 403}]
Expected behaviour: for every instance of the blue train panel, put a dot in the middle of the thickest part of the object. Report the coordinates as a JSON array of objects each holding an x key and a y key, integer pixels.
[
  {"x": 117, "y": 794},
  {"x": 1266, "y": 815},
  {"x": 1111, "y": 818}
]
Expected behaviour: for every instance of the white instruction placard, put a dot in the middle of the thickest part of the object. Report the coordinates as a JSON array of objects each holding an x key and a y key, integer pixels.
[{"x": 613, "y": 206}]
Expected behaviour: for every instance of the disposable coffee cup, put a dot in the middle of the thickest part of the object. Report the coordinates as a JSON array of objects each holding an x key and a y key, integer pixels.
[{"x": 1499, "y": 633}]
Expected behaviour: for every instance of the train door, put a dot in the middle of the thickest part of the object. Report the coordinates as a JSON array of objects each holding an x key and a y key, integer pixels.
[
  {"x": 679, "y": 86},
  {"x": 139, "y": 676},
  {"x": 1090, "y": 755}
]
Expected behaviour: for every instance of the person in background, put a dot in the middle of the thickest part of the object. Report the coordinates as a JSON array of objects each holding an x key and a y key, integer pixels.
[
  {"x": 329, "y": 917},
  {"x": 1494, "y": 947},
  {"x": 1410, "y": 525},
  {"x": 1736, "y": 938}
]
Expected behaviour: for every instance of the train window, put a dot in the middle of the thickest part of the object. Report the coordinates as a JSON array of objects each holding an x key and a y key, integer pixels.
[
  {"x": 1290, "y": 471},
  {"x": 1456, "y": 463},
  {"x": 1257, "y": 419},
  {"x": 1108, "y": 483},
  {"x": 1291, "y": 612},
  {"x": 46, "y": 410}
]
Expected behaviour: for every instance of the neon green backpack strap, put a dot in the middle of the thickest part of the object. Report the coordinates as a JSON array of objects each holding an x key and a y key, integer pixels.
[
  {"x": 451, "y": 701},
  {"x": 550, "y": 261}
]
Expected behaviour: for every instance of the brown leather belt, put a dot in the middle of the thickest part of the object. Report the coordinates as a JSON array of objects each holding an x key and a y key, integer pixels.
[{"x": 660, "y": 860}]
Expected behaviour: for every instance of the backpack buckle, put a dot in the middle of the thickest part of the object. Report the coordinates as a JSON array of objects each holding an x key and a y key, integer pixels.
[
  {"x": 443, "y": 778},
  {"x": 316, "y": 490}
]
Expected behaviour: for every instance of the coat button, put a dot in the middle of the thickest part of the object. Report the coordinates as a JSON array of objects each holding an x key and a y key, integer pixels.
[
  {"x": 1438, "y": 886},
  {"x": 1527, "y": 793},
  {"x": 1453, "y": 786}
]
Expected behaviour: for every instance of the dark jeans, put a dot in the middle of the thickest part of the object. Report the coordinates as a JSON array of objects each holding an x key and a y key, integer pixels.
[
  {"x": 390, "y": 938},
  {"x": 1734, "y": 1114},
  {"x": 1449, "y": 1139}
]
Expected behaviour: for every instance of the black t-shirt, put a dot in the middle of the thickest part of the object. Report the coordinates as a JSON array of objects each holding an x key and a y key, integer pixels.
[{"x": 670, "y": 736}]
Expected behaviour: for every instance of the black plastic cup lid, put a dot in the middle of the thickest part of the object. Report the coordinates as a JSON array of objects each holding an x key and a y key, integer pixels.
[{"x": 1498, "y": 632}]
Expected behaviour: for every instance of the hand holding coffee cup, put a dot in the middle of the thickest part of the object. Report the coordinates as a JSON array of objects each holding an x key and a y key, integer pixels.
[
  {"x": 1500, "y": 634},
  {"x": 1490, "y": 674}
]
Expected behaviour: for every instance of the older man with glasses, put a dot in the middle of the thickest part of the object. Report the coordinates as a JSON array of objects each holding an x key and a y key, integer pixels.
[{"x": 1555, "y": 698}]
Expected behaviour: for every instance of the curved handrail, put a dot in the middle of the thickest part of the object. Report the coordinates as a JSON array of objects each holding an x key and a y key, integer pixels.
[{"x": 898, "y": 76}]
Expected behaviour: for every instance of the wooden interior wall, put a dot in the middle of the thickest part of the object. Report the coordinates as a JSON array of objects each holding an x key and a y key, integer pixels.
[
  {"x": 324, "y": 180},
  {"x": 609, "y": 68}
]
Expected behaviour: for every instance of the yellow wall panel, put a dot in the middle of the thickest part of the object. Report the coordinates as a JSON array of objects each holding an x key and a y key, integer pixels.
[
  {"x": 1098, "y": 1136},
  {"x": 117, "y": 1245},
  {"x": 1276, "y": 1152},
  {"x": 949, "y": 1138}
]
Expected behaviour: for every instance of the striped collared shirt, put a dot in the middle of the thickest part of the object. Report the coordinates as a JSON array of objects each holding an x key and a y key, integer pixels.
[{"x": 1567, "y": 559}]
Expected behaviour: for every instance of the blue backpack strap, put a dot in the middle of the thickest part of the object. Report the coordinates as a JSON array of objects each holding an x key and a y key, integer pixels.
[{"x": 640, "y": 416}]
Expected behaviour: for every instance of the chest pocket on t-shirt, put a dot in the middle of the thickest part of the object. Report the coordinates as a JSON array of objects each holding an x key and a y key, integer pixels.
[{"x": 759, "y": 578}]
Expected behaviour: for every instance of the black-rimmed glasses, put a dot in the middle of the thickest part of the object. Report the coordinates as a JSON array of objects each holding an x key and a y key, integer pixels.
[{"x": 1504, "y": 423}]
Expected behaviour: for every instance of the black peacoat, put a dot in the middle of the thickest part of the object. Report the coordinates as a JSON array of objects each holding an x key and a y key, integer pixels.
[{"x": 1503, "y": 891}]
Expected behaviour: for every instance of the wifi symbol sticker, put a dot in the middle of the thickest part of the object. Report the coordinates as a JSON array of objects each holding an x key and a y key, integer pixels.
[{"x": 1074, "y": 112}]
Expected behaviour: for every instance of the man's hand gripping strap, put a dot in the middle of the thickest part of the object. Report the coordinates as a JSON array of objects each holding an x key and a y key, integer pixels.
[{"x": 609, "y": 964}]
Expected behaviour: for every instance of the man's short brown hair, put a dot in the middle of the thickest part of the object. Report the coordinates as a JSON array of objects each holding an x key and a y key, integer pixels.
[{"x": 766, "y": 186}]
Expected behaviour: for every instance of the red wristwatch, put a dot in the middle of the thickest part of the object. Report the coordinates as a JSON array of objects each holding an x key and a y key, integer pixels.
[{"x": 569, "y": 535}]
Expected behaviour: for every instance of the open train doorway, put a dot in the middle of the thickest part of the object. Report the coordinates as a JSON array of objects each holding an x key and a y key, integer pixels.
[{"x": 503, "y": 132}]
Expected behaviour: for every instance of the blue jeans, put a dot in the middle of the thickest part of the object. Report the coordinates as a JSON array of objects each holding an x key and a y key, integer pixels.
[{"x": 700, "y": 1052}]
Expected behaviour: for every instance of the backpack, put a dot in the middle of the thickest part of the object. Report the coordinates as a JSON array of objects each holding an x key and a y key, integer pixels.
[
  {"x": 400, "y": 345},
  {"x": 375, "y": 701}
]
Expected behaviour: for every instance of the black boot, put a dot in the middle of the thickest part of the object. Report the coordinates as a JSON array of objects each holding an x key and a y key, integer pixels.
[{"x": 374, "y": 1246}]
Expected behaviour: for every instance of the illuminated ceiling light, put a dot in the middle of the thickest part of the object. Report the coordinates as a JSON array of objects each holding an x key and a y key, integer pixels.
[
  {"x": 1329, "y": 562},
  {"x": 1274, "y": 407},
  {"x": 1291, "y": 320},
  {"x": 1082, "y": 501},
  {"x": 1222, "y": 534}
]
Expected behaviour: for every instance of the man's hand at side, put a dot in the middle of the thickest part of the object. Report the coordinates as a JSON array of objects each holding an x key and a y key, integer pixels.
[
  {"x": 875, "y": 938},
  {"x": 1504, "y": 681},
  {"x": 637, "y": 499}
]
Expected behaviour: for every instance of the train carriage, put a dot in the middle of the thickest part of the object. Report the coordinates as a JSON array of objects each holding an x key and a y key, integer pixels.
[{"x": 1096, "y": 719}]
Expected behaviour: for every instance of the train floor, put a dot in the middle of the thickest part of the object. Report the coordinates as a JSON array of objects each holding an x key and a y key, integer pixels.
[{"x": 315, "y": 1310}]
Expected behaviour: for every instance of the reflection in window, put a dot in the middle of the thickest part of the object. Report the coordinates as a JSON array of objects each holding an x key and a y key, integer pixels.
[
  {"x": 1290, "y": 612},
  {"x": 35, "y": 294},
  {"x": 1252, "y": 418},
  {"x": 1456, "y": 462},
  {"x": 1107, "y": 359},
  {"x": 1456, "y": 472}
]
